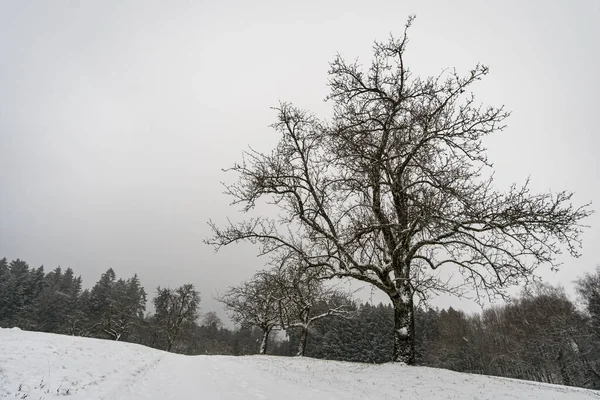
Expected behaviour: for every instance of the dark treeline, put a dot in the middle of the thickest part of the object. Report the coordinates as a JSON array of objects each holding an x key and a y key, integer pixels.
[
  {"x": 540, "y": 336},
  {"x": 115, "y": 308}
]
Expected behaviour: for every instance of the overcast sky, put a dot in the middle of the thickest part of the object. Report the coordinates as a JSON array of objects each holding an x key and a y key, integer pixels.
[{"x": 116, "y": 117}]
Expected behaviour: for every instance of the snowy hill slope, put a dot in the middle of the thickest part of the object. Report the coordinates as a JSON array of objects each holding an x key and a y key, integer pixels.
[{"x": 46, "y": 366}]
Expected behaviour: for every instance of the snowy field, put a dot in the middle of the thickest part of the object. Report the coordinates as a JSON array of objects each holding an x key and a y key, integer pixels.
[{"x": 46, "y": 366}]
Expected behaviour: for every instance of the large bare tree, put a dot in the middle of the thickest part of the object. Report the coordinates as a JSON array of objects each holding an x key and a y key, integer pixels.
[{"x": 397, "y": 187}]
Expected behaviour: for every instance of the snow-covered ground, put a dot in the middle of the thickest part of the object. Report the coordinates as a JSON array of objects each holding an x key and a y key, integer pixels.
[{"x": 46, "y": 366}]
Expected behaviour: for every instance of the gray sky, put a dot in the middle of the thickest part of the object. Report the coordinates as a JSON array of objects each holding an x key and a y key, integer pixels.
[{"x": 116, "y": 117}]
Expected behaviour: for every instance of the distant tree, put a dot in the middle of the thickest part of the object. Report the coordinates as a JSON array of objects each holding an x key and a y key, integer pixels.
[
  {"x": 85, "y": 305},
  {"x": 426, "y": 333},
  {"x": 116, "y": 306},
  {"x": 254, "y": 304},
  {"x": 3, "y": 267},
  {"x": 210, "y": 337},
  {"x": 57, "y": 300},
  {"x": 101, "y": 298},
  {"x": 129, "y": 306},
  {"x": 74, "y": 317},
  {"x": 396, "y": 187},
  {"x": 5, "y": 289},
  {"x": 34, "y": 282},
  {"x": 19, "y": 289},
  {"x": 211, "y": 319},
  {"x": 174, "y": 309},
  {"x": 18, "y": 294},
  {"x": 588, "y": 288},
  {"x": 454, "y": 348}
]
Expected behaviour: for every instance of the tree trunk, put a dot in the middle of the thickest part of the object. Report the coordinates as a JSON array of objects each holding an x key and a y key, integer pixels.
[
  {"x": 404, "y": 327},
  {"x": 263, "y": 343},
  {"x": 303, "y": 340},
  {"x": 564, "y": 370}
]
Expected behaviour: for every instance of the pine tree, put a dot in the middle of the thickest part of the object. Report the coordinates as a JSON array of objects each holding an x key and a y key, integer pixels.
[
  {"x": 18, "y": 293},
  {"x": 115, "y": 305},
  {"x": 5, "y": 292}
]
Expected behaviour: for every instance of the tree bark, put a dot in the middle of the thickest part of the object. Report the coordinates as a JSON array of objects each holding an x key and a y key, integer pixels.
[
  {"x": 404, "y": 327},
  {"x": 263, "y": 343},
  {"x": 303, "y": 340}
]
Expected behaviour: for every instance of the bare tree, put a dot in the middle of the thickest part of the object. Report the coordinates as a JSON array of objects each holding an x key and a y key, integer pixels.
[
  {"x": 175, "y": 308},
  {"x": 254, "y": 303},
  {"x": 588, "y": 288},
  {"x": 212, "y": 320},
  {"x": 304, "y": 299},
  {"x": 397, "y": 187}
]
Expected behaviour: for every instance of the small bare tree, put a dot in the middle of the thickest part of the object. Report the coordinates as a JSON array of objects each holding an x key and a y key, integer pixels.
[
  {"x": 254, "y": 303},
  {"x": 398, "y": 187},
  {"x": 304, "y": 299}
]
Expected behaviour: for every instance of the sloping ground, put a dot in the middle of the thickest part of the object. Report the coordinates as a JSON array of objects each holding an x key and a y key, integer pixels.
[{"x": 46, "y": 366}]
